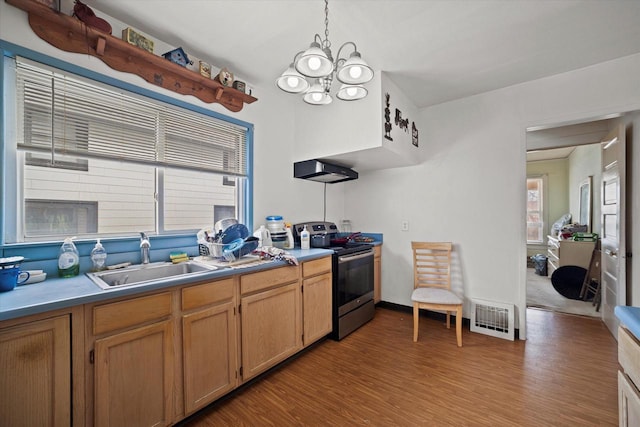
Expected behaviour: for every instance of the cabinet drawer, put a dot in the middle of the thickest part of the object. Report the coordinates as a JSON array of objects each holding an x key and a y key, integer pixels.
[
  {"x": 207, "y": 293},
  {"x": 266, "y": 279},
  {"x": 317, "y": 266},
  {"x": 123, "y": 314},
  {"x": 629, "y": 354}
]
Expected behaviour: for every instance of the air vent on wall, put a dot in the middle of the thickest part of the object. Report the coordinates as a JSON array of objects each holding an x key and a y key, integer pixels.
[{"x": 493, "y": 318}]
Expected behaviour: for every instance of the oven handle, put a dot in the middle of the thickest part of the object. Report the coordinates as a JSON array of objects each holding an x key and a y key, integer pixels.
[{"x": 347, "y": 258}]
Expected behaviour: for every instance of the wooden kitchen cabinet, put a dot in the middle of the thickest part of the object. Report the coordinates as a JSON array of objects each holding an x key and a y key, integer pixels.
[
  {"x": 317, "y": 299},
  {"x": 377, "y": 274},
  {"x": 628, "y": 378},
  {"x": 35, "y": 361},
  {"x": 209, "y": 342},
  {"x": 134, "y": 361},
  {"x": 271, "y": 318}
]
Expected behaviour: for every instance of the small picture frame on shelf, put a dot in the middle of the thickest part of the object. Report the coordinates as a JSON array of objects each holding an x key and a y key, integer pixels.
[
  {"x": 131, "y": 36},
  {"x": 53, "y": 4}
]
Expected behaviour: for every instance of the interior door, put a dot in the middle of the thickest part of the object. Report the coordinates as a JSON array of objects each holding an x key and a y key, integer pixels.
[{"x": 613, "y": 265}]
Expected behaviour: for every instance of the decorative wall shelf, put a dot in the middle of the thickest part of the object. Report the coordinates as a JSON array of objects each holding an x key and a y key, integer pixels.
[{"x": 72, "y": 35}]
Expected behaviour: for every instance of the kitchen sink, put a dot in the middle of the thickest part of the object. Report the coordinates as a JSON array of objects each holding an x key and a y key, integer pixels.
[{"x": 147, "y": 273}]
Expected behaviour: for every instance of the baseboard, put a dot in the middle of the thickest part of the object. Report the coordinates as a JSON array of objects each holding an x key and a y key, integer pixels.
[{"x": 430, "y": 314}]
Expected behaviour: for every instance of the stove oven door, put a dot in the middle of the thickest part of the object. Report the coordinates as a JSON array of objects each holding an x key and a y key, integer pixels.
[{"x": 354, "y": 281}]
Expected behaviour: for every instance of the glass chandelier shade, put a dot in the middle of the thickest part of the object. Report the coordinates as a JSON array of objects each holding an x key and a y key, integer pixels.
[
  {"x": 292, "y": 81},
  {"x": 317, "y": 62},
  {"x": 355, "y": 71},
  {"x": 317, "y": 94},
  {"x": 352, "y": 92},
  {"x": 314, "y": 62}
]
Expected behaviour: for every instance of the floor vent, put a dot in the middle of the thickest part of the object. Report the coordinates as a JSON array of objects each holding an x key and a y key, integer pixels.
[{"x": 493, "y": 318}]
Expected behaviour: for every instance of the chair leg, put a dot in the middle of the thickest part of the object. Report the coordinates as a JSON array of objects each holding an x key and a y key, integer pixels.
[
  {"x": 459, "y": 326},
  {"x": 416, "y": 317},
  {"x": 448, "y": 320}
]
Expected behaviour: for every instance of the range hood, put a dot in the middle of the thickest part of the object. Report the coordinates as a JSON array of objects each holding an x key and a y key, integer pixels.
[{"x": 319, "y": 170}]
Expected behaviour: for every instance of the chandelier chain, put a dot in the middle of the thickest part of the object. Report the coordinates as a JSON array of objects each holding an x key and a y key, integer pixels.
[{"x": 326, "y": 43}]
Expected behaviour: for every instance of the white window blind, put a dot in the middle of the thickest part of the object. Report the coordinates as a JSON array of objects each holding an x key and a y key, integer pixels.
[{"x": 63, "y": 114}]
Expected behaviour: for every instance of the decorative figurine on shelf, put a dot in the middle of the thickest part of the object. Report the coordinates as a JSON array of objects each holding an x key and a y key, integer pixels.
[
  {"x": 225, "y": 77},
  {"x": 204, "y": 69},
  {"x": 86, "y": 15},
  {"x": 177, "y": 56}
]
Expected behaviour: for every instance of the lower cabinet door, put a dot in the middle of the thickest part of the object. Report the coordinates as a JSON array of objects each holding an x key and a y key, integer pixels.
[
  {"x": 134, "y": 377},
  {"x": 317, "y": 301},
  {"x": 209, "y": 355},
  {"x": 35, "y": 364},
  {"x": 271, "y": 328},
  {"x": 628, "y": 402}
]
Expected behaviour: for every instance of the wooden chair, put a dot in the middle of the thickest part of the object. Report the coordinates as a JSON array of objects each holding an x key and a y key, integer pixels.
[
  {"x": 591, "y": 284},
  {"x": 432, "y": 284}
]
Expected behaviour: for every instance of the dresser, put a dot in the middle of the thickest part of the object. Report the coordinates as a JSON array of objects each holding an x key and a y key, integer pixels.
[{"x": 568, "y": 252}]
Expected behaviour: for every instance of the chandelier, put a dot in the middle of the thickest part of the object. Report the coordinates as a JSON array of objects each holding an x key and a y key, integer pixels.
[{"x": 317, "y": 64}]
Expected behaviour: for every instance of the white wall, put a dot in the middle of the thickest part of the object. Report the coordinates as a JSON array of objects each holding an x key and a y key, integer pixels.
[{"x": 471, "y": 188}]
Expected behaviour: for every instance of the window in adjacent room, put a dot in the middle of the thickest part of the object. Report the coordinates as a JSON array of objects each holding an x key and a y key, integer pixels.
[{"x": 535, "y": 214}]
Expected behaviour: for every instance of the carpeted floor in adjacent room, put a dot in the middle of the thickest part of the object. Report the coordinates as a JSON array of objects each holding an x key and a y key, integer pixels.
[{"x": 541, "y": 294}]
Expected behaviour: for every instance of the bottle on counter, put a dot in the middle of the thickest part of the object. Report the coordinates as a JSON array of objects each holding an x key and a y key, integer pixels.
[
  {"x": 264, "y": 236},
  {"x": 98, "y": 257},
  {"x": 305, "y": 240},
  {"x": 68, "y": 259},
  {"x": 289, "y": 243}
]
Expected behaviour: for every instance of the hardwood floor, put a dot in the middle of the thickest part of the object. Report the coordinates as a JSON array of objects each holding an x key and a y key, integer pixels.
[{"x": 563, "y": 375}]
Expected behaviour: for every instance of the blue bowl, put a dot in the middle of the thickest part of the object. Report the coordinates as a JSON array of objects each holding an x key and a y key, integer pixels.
[
  {"x": 248, "y": 247},
  {"x": 239, "y": 248},
  {"x": 234, "y": 232}
]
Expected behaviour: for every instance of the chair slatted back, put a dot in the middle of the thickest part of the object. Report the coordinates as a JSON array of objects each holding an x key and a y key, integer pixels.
[{"x": 432, "y": 264}]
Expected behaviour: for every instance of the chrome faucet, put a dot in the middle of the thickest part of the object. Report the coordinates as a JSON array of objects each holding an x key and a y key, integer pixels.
[{"x": 144, "y": 248}]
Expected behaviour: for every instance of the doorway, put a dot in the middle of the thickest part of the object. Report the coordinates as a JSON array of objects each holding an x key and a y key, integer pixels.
[{"x": 563, "y": 158}]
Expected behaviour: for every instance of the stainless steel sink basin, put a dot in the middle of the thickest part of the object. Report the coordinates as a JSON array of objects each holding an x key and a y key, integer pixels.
[{"x": 147, "y": 273}]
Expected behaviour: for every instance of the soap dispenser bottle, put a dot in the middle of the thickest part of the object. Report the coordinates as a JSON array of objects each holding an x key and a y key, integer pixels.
[
  {"x": 98, "y": 257},
  {"x": 305, "y": 240},
  {"x": 68, "y": 259},
  {"x": 289, "y": 243}
]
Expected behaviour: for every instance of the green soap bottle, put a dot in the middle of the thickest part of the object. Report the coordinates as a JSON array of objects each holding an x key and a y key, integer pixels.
[{"x": 69, "y": 259}]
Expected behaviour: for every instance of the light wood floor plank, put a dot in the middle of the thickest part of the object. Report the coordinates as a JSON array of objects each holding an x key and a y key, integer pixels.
[{"x": 563, "y": 375}]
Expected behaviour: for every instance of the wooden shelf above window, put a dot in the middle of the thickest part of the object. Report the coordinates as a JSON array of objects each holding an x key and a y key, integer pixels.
[{"x": 72, "y": 35}]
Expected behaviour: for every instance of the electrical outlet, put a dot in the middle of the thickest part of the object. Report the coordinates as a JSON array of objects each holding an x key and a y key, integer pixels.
[{"x": 405, "y": 226}]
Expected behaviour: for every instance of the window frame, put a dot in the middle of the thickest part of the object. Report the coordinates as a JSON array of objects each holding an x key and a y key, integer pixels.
[
  {"x": 9, "y": 215},
  {"x": 542, "y": 211}
]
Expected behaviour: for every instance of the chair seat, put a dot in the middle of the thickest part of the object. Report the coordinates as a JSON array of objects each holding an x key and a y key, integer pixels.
[{"x": 435, "y": 296}]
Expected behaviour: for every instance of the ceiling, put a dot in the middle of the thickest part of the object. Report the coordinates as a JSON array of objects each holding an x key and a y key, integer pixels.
[{"x": 434, "y": 50}]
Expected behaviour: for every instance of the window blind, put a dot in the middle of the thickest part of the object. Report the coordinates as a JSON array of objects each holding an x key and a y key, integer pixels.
[{"x": 64, "y": 114}]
